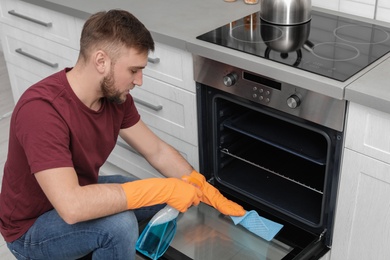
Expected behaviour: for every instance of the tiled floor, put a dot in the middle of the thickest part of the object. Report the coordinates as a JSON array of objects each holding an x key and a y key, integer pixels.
[{"x": 6, "y": 106}]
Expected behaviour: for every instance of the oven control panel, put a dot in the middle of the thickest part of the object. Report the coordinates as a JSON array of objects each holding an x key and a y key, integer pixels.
[
  {"x": 230, "y": 79},
  {"x": 265, "y": 91},
  {"x": 261, "y": 88},
  {"x": 294, "y": 101},
  {"x": 259, "y": 92}
]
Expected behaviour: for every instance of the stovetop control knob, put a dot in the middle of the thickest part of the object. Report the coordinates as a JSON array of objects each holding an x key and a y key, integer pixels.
[
  {"x": 230, "y": 79},
  {"x": 293, "y": 101}
]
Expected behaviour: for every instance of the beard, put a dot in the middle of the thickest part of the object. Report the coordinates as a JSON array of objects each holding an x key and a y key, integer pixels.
[{"x": 107, "y": 86}]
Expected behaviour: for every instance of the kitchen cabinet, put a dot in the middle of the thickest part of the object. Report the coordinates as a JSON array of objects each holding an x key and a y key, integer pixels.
[
  {"x": 362, "y": 225},
  {"x": 51, "y": 25},
  {"x": 32, "y": 57},
  {"x": 38, "y": 42}
]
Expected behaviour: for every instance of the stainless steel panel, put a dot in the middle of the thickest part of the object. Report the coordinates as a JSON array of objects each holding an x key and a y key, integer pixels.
[
  {"x": 205, "y": 234},
  {"x": 314, "y": 107}
]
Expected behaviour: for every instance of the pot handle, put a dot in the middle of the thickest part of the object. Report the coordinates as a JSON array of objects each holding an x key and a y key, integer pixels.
[{"x": 308, "y": 45}]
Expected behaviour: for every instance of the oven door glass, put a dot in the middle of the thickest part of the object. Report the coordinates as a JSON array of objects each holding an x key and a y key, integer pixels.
[{"x": 205, "y": 234}]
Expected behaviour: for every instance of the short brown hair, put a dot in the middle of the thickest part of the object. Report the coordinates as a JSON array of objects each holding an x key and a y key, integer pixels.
[{"x": 112, "y": 30}]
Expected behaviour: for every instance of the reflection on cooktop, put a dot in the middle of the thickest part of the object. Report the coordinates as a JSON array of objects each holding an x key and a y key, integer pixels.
[{"x": 328, "y": 45}]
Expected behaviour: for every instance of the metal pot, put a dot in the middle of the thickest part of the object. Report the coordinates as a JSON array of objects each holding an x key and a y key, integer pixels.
[
  {"x": 285, "y": 39},
  {"x": 285, "y": 12}
]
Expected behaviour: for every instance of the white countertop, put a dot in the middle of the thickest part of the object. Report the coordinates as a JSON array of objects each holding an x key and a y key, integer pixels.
[{"x": 179, "y": 22}]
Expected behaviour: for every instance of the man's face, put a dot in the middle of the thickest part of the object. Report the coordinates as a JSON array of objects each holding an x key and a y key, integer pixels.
[{"x": 124, "y": 75}]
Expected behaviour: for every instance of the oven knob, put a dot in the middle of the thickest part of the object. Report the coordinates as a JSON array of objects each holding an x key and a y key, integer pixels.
[
  {"x": 230, "y": 79},
  {"x": 293, "y": 101}
]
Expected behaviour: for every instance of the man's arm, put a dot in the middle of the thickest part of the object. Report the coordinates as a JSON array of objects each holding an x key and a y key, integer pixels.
[
  {"x": 163, "y": 157},
  {"x": 75, "y": 203}
]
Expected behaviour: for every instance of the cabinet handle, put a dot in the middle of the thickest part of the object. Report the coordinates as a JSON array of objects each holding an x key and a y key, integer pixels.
[
  {"x": 147, "y": 104},
  {"x": 12, "y": 12},
  {"x": 154, "y": 60},
  {"x": 20, "y": 51}
]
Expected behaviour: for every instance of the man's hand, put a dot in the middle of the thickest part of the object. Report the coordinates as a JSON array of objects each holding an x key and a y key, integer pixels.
[
  {"x": 212, "y": 196},
  {"x": 172, "y": 191}
]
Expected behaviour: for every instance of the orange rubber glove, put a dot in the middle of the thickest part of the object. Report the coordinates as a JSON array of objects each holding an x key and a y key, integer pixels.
[
  {"x": 213, "y": 197},
  {"x": 153, "y": 191}
]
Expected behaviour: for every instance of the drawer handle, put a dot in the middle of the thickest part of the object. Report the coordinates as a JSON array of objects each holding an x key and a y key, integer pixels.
[
  {"x": 154, "y": 60},
  {"x": 147, "y": 104},
  {"x": 20, "y": 51},
  {"x": 12, "y": 12}
]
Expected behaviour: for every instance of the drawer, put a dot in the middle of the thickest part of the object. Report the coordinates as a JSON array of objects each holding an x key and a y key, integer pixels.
[
  {"x": 46, "y": 23},
  {"x": 168, "y": 108},
  {"x": 34, "y": 53},
  {"x": 20, "y": 80},
  {"x": 127, "y": 159},
  {"x": 368, "y": 132},
  {"x": 171, "y": 65}
]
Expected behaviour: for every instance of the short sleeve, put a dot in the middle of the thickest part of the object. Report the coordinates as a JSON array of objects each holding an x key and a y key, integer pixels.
[{"x": 44, "y": 136}]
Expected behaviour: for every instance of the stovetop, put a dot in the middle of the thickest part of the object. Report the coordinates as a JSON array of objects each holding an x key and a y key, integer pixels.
[{"x": 328, "y": 45}]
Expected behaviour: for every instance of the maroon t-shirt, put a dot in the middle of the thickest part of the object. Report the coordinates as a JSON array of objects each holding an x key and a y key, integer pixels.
[{"x": 51, "y": 128}]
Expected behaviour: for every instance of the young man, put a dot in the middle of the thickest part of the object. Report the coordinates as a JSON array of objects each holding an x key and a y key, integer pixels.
[{"x": 53, "y": 204}]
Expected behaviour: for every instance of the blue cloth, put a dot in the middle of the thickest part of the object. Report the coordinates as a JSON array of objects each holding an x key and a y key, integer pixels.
[{"x": 258, "y": 225}]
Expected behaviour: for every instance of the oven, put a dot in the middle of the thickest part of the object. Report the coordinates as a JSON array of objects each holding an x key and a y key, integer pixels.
[
  {"x": 273, "y": 147},
  {"x": 269, "y": 145}
]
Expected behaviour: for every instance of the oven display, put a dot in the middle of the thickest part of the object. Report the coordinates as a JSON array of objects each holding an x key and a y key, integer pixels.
[{"x": 261, "y": 80}]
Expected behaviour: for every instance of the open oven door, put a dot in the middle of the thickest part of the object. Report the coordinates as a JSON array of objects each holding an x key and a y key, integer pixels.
[{"x": 205, "y": 234}]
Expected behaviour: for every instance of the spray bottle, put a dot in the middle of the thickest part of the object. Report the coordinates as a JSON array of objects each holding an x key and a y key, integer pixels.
[{"x": 158, "y": 234}]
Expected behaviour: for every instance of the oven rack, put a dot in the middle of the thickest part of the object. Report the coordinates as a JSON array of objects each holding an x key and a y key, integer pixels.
[
  {"x": 226, "y": 151},
  {"x": 302, "y": 142}
]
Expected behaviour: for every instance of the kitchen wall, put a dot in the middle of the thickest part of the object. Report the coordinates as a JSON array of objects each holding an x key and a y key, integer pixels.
[{"x": 374, "y": 9}]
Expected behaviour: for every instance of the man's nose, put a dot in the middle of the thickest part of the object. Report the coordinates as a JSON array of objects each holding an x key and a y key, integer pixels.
[{"x": 138, "y": 80}]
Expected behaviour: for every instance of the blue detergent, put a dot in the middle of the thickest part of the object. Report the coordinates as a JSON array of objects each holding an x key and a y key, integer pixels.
[{"x": 158, "y": 234}]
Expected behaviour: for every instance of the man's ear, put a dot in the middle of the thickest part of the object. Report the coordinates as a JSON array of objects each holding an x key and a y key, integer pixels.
[{"x": 101, "y": 61}]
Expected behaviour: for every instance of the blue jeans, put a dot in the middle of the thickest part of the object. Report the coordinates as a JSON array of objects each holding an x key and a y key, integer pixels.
[{"x": 111, "y": 237}]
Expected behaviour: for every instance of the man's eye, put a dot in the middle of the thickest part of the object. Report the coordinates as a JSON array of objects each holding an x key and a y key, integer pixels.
[{"x": 134, "y": 71}]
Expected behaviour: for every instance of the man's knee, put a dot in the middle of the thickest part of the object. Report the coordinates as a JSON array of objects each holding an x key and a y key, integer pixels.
[{"x": 124, "y": 226}]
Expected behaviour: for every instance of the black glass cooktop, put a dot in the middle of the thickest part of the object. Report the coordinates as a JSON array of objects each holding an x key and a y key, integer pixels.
[{"x": 328, "y": 45}]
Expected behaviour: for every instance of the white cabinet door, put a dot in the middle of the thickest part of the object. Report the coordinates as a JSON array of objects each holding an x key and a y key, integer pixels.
[
  {"x": 20, "y": 80},
  {"x": 44, "y": 22},
  {"x": 368, "y": 132},
  {"x": 34, "y": 53},
  {"x": 362, "y": 225},
  {"x": 167, "y": 108},
  {"x": 171, "y": 65}
]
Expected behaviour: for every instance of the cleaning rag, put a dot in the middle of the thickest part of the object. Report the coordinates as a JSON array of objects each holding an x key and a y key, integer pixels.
[{"x": 258, "y": 225}]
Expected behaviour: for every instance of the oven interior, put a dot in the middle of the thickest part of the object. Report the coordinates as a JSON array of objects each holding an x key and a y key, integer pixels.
[{"x": 275, "y": 162}]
